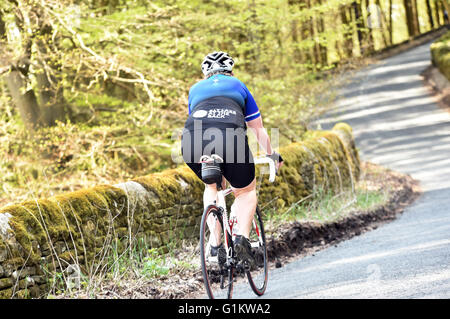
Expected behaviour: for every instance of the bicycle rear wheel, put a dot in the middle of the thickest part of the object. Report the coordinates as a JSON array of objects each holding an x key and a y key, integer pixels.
[
  {"x": 257, "y": 276},
  {"x": 217, "y": 272}
]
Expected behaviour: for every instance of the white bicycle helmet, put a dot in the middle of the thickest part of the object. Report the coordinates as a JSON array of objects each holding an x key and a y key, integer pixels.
[{"x": 217, "y": 62}]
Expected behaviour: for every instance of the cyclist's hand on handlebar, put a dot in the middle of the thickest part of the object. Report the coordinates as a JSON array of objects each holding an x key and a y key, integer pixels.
[{"x": 276, "y": 157}]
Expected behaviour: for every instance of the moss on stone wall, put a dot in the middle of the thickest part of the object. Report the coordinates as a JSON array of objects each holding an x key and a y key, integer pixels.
[
  {"x": 440, "y": 54},
  {"x": 81, "y": 227},
  {"x": 323, "y": 160}
]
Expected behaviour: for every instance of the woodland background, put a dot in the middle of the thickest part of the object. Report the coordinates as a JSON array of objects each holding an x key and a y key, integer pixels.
[{"x": 94, "y": 91}]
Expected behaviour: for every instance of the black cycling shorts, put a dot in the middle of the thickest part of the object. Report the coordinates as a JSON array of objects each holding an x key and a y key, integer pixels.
[{"x": 230, "y": 144}]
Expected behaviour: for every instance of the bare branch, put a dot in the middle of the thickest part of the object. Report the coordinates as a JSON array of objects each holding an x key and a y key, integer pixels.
[
  {"x": 113, "y": 65},
  {"x": 4, "y": 69}
]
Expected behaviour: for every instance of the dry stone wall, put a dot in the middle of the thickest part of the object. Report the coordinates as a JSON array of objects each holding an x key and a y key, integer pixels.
[
  {"x": 79, "y": 231},
  {"x": 440, "y": 54}
]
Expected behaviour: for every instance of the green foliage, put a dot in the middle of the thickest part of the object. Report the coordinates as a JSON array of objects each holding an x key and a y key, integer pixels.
[
  {"x": 154, "y": 264},
  {"x": 121, "y": 125},
  {"x": 326, "y": 206}
]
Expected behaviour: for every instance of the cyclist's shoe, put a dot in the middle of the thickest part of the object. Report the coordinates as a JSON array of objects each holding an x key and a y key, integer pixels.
[
  {"x": 220, "y": 253},
  {"x": 244, "y": 252}
]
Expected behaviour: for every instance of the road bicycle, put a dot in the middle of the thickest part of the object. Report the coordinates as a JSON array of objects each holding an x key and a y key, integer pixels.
[{"x": 219, "y": 270}]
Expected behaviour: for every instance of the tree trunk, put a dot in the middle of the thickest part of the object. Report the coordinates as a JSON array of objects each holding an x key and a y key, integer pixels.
[
  {"x": 25, "y": 102},
  {"x": 408, "y": 13},
  {"x": 321, "y": 47},
  {"x": 38, "y": 50},
  {"x": 391, "y": 25},
  {"x": 416, "y": 17},
  {"x": 430, "y": 14},
  {"x": 305, "y": 33},
  {"x": 365, "y": 37},
  {"x": 359, "y": 25},
  {"x": 295, "y": 39},
  {"x": 368, "y": 32},
  {"x": 383, "y": 25},
  {"x": 346, "y": 18},
  {"x": 411, "y": 18},
  {"x": 2, "y": 27},
  {"x": 436, "y": 4},
  {"x": 312, "y": 35}
]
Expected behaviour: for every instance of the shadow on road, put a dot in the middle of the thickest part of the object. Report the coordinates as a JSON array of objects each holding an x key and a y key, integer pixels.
[
  {"x": 408, "y": 259},
  {"x": 395, "y": 120}
]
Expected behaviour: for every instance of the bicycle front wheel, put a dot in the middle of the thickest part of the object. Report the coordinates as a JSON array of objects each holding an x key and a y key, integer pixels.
[
  {"x": 217, "y": 272},
  {"x": 257, "y": 276}
]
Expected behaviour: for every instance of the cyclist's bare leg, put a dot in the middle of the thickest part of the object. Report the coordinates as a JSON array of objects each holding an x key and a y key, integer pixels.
[
  {"x": 245, "y": 207},
  {"x": 209, "y": 197}
]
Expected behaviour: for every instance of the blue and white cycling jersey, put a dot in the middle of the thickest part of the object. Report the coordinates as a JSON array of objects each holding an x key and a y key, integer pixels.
[{"x": 220, "y": 85}]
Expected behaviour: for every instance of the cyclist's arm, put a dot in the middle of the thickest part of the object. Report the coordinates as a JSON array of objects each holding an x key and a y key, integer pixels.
[
  {"x": 254, "y": 121},
  {"x": 260, "y": 132}
]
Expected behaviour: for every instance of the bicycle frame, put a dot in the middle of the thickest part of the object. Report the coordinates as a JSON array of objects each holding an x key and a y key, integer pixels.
[
  {"x": 228, "y": 231},
  {"x": 217, "y": 222},
  {"x": 220, "y": 203}
]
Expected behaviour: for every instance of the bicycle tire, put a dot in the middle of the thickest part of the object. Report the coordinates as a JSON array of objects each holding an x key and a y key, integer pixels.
[
  {"x": 258, "y": 276},
  {"x": 212, "y": 272}
]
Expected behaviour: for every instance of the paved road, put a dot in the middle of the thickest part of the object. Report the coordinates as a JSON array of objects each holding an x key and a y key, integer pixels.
[{"x": 396, "y": 124}]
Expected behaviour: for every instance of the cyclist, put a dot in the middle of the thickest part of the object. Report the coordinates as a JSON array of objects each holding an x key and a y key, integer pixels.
[{"x": 220, "y": 105}]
